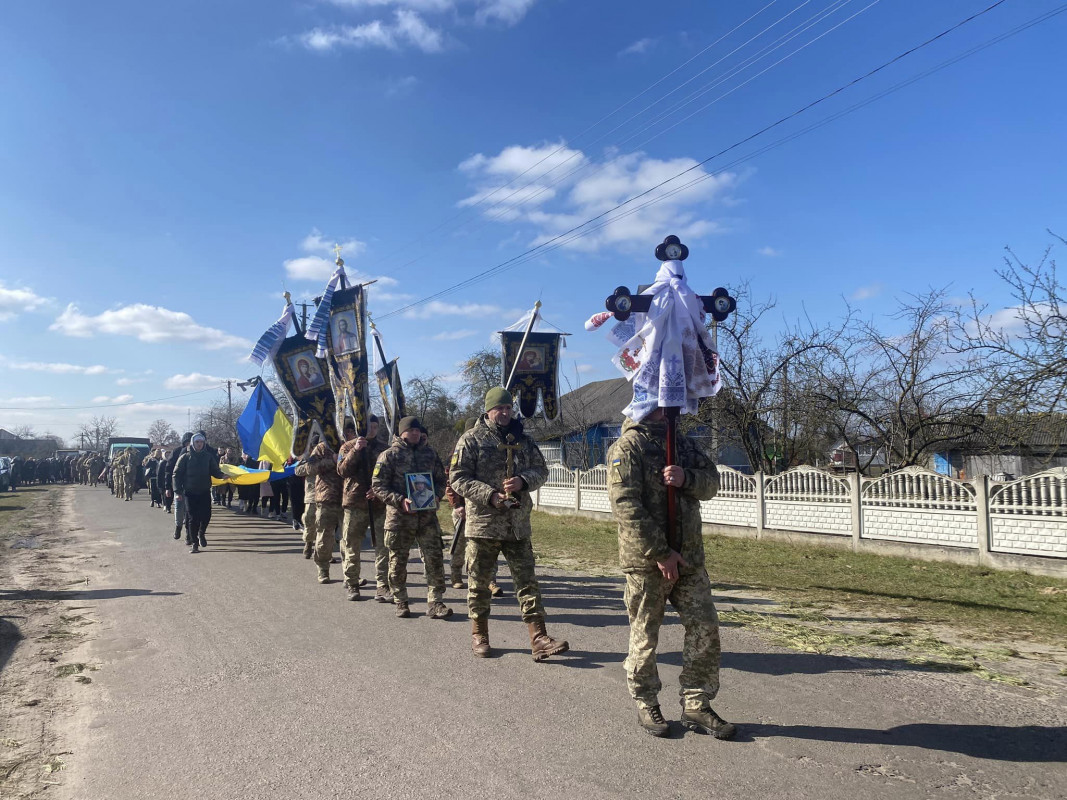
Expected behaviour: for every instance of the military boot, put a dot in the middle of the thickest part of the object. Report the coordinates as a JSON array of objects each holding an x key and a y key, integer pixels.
[
  {"x": 541, "y": 644},
  {"x": 439, "y": 611},
  {"x": 494, "y": 589},
  {"x": 651, "y": 719},
  {"x": 480, "y": 637},
  {"x": 309, "y": 550},
  {"x": 353, "y": 592},
  {"x": 705, "y": 720},
  {"x": 402, "y": 609},
  {"x": 324, "y": 574},
  {"x": 382, "y": 595}
]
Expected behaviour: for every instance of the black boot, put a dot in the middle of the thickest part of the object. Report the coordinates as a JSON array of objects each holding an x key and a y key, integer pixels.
[
  {"x": 177, "y": 531},
  {"x": 203, "y": 538}
]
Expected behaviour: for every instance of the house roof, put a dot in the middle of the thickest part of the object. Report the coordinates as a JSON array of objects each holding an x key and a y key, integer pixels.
[{"x": 596, "y": 403}]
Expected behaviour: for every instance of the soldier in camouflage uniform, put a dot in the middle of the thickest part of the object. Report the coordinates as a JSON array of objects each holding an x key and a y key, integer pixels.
[
  {"x": 637, "y": 487},
  {"x": 311, "y": 533},
  {"x": 498, "y": 518},
  {"x": 322, "y": 463},
  {"x": 118, "y": 475},
  {"x": 404, "y": 526},
  {"x": 356, "y": 461},
  {"x": 129, "y": 476}
]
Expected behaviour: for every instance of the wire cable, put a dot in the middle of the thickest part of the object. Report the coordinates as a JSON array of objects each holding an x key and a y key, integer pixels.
[
  {"x": 108, "y": 405},
  {"x": 803, "y": 109}
]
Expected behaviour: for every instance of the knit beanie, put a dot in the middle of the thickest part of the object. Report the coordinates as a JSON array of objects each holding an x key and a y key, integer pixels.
[
  {"x": 407, "y": 423},
  {"x": 498, "y": 396}
]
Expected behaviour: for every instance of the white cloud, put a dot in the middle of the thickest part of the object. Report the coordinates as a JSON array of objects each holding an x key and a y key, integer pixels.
[
  {"x": 508, "y": 12},
  {"x": 309, "y": 268},
  {"x": 867, "y": 292},
  {"x": 27, "y": 401},
  {"x": 584, "y": 368},
  {"x": 452, "y": 336},
  {"x": 315, "y": 242},
  {"x": 770, "y": 252},
  {"x": 408, "y": 29},
  {"x": 560, "y": 196},
  {"x": 401, "y": 87},
  {"x": 103, "y": 398},
  {"x": 131, "y": 381},
  {"x": 192, "y": 382},
  {"x": 146, "y": 323},
  {"x": 640, "y": 47},
  {"x": 436, "y": 308},
  {"x": 58, "y": 368},
  {"x": 14, "y": 300}
]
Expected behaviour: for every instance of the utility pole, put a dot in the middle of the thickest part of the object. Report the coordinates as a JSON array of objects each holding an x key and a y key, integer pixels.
[{"x": 229, "y": 402}]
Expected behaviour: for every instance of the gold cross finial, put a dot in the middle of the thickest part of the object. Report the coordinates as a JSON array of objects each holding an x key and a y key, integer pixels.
[{"x": 337, "y": 250}]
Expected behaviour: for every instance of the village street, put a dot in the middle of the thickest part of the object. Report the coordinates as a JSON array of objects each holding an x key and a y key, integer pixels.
[{"x": 233, "y": 674}]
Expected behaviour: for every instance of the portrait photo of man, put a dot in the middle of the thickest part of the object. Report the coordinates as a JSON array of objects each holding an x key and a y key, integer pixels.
[
  {"x": 307, "y": 373},
  {"x": 420, "y": 491},
  {"x": 344, "y": 335}
]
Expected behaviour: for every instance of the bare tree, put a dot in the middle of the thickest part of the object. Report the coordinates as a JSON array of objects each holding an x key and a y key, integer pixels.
[
  {"x": 481, "y": 371},
  {"x": 1024, "y": 346},
  {"x": 220, "y": 424},
  {"x": 25, "y": 432},
  {"x": 95, "y": 433},
  {"x": 910, "y": 394},
  {"x": 766, "y": 407},
  {"x": 161, "y": 432},
  {"x": 427, "y": 398}
]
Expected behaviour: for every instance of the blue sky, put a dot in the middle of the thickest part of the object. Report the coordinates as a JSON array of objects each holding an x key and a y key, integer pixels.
[{"x": 168, "y": 169}]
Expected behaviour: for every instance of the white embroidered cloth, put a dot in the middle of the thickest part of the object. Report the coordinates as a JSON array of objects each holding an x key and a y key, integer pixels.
[{"x": 666, "y": 353}]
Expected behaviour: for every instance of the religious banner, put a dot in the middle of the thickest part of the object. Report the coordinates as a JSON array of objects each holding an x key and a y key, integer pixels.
[
  {"x": 532, "y": 362},
  {"x": 346, "y": 342},
  {"x": 305, "y": 379},
  {"x": 392, "y": 393}
]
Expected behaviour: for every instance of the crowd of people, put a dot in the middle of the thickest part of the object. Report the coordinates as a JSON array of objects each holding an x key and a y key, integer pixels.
[{"x": 393, "y": 490}]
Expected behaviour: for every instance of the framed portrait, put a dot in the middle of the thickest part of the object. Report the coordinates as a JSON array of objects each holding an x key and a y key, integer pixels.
[
  {"x": 306, "y": 373},
  {"x": 345, "y": 334},
  {"x": 532, "y": 359},
  {"x": 420, "y": 491}
]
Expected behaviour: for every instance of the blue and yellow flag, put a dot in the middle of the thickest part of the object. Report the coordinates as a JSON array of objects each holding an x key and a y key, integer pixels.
[
  {"x": 265, "y": 432},
  {"x": 243, "y": 476}
]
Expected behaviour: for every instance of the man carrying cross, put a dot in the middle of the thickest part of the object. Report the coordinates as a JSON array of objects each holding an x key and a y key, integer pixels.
[{"x": 495, "y": 466}]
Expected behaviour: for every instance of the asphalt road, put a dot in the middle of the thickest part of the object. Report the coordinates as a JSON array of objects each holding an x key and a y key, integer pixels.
[{"x": 233, "y": 674}]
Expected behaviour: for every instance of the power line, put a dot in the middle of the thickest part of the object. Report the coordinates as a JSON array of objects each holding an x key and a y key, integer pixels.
[
  {"x": 542, "y": 247},
  {"x": 108, "y": 405}
]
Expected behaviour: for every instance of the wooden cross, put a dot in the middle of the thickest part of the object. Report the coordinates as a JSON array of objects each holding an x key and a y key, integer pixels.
[{"x": 509, "y": 445}]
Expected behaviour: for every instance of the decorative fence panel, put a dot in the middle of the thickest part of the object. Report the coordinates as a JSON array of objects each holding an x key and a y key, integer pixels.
[
  {"x": 913, "y": 506},
  {"x": 593, "y": 485},
  {"x": 561, "y": 488},
  {"x": 919, "y": 506},
  {"x": 1029, "y": 516},
  {"x": 735, "y": 504},
  {"x": 810, "y": 500}
]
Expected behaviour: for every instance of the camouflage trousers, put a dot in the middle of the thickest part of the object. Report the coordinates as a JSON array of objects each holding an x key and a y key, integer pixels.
[
  {"x": 327, "y": 518},
  {"x": 646, "y": 597},
  {"x": 353, "y": 530},
  {"x": 481, "y": 570},
  {"x": 455, "y": 561},
  {"x": 127, "y": 485},
  {"x": 311, "y": 533},
  {"x": 427, "y": 534},
  {"x": 119, "y": 484}
]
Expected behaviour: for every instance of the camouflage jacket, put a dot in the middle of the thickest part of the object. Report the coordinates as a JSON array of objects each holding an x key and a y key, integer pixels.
[
  {"x": 301, "y": 471},
  {"x": 322, "y": 464},
  {"x": 479, "y": 468},
  {"x": 355, "y": 466},
  {"x": 639, "y": 497},
  {"x": 389, "y": 480}
]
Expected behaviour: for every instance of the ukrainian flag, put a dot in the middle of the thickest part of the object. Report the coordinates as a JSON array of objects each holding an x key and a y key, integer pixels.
[{"x": 265, "y": 432}]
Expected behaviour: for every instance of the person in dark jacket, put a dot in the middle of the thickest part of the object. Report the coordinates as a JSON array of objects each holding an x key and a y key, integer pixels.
[
  {"x": 192, "y": 481},
  {"x": 180, "y": 517}
]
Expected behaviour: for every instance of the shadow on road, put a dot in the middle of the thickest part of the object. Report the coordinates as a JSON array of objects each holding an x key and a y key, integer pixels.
[
  {"x": 79, "y": 594},
  {"x": 1026, "y": 743},
  {"x": 9, "y": 640}
]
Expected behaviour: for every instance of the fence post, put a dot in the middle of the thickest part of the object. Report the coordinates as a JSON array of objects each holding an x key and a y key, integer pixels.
[
  {"x": 981, "y": 502},
  {"x": 855, "y": 486},
  {"x": 577, "y": 489},
  {"x": 761, "y": 505}
]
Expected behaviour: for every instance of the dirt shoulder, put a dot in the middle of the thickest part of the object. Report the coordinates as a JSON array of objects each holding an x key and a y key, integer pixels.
[{"x": 44, "y": 615}]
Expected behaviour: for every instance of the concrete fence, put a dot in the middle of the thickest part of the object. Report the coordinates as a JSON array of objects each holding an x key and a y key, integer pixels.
[{"x": 1019, "y": 524}]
